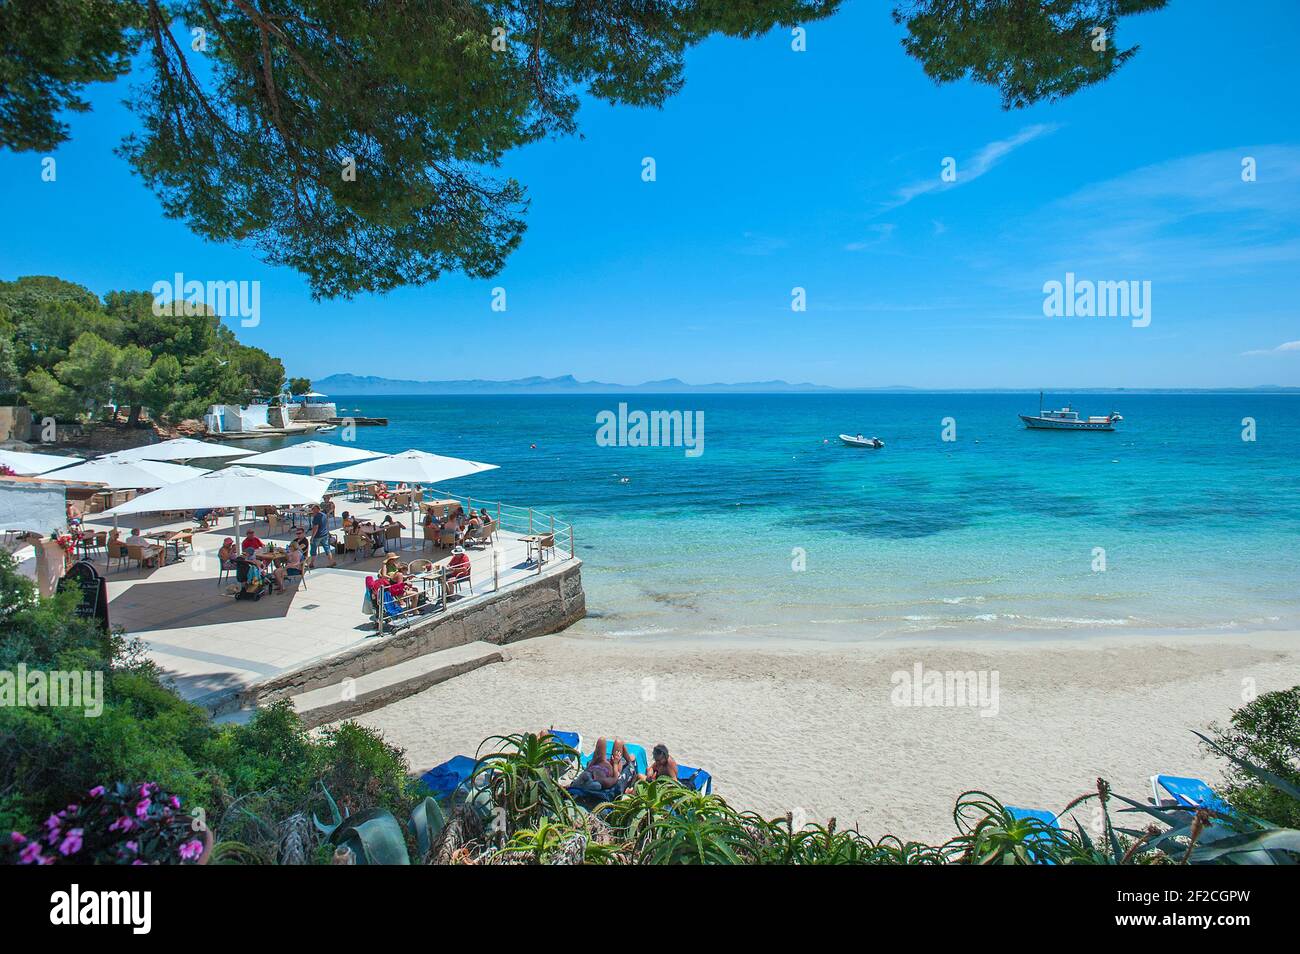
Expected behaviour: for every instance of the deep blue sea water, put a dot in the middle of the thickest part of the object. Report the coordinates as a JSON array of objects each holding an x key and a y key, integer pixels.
[{"x": 994, "y": 532}]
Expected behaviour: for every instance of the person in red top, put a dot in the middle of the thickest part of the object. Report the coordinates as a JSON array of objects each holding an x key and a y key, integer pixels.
[
  {"x": 458, "y": 566},
  {"x": 251, "y": 542}
]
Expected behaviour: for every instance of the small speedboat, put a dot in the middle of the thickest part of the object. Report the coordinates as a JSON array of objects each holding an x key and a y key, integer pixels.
[
  {"x": 326, "y": 427},
  {"x": 860, "y": 441}
]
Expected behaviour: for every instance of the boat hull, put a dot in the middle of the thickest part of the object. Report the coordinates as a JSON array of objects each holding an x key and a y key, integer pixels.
[
  {"x": 874, "y": 443},
  {"x": 1048, "y": 424}
]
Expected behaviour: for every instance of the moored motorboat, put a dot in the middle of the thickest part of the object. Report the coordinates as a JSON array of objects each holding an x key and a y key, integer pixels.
[
  {"x": 860, "y": 441},
  {"x": 1067, "y": 419}
]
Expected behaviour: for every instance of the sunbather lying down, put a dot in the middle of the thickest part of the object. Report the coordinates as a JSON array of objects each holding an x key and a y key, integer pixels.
[{"x": 607, "y": 774}]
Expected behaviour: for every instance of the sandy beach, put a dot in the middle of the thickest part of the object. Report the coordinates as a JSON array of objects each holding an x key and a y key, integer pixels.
[{"x": 818, "y": 728}]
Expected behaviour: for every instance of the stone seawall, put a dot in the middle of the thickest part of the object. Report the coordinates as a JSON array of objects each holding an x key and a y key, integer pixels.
[{"x": 548, "y": 603}]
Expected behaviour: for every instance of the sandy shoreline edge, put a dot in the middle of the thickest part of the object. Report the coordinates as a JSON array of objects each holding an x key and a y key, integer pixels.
[{"x": 834, "y": 729}]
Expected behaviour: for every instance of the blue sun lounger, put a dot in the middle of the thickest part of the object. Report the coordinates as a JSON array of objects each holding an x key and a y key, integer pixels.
[
  {"x": 446, "y": 778},
  {"x": 1042, "y": 815},
  {"x": 697, "y": 779},
  {"x": 1188, "y": 792}
]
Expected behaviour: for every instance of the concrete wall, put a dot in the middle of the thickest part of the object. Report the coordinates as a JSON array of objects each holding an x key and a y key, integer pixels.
[
  {"x": 552, "y": 601},
  {"x": 15, "y": 423}
]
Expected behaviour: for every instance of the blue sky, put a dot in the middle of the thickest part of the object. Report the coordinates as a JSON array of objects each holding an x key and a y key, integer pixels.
[{"x": 821, "y": 170}]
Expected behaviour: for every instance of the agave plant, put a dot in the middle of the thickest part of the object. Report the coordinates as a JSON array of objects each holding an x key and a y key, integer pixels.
[
  {"x": 523, "y": 779},
  {"x": 374, "y": 836}
]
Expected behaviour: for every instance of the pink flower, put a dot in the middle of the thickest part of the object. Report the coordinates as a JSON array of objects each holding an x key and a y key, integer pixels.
[
  {"x": 191, "y": 850},
  {"x": 97, "y": 791},
  {"x": 52, "y": 823},
  {"x": 142, "y": 809},
  {"x": 176, "y": 802},
  {"x": 17, "y": 837},
  {"x": 71, "y": 844},
  {"x": 31, "y": 854},
  {"x": 122, "y": 824},
  {"x": 136, "y": 862},
  {"x": 133, "y": 847}
]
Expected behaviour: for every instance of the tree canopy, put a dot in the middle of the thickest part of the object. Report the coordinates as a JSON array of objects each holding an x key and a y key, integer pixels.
[
  {"x": 357, "y": 142},
  {"x": 72, "y": 354}
]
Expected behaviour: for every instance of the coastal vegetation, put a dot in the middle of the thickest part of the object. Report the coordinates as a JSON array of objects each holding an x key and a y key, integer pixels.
[
  {"x": 356, "y": 144},
  {"x": 273, "y": 792},
  {"x": 73, "y": 356}
]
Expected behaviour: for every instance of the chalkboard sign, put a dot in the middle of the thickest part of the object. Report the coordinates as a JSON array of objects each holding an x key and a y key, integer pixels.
[{"x": 94, "y": 591}]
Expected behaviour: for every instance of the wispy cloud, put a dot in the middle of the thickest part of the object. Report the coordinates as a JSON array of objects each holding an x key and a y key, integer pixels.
[
  {"x": 970, "y": 169},
  {"x": 880, "y": 233},
  {"x": 1283, "y": 348},
  {"x": 755, "y": 243}
]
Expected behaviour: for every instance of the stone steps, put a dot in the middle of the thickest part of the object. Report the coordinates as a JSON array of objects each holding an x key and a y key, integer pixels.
[{"x": 353, "y": 696}]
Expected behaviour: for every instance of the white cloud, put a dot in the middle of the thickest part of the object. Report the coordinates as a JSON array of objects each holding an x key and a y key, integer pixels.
[
  {"x": 968, "y": 170},
  {"x": 1283, "y": 348},
  {"x": 882, "y": 233}
]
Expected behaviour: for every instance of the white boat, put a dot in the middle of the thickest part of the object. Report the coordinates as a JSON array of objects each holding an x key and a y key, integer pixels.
[
  {"x": 860, "y": 441},
  {"x": 326, "y": 427},
  {"x": 1067, "y": 419}
]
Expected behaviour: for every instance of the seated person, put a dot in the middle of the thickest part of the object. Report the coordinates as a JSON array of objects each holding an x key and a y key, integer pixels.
[
  {"x": 151, "y": 550},
  {"x": 252, "y": 542},
  {"x": 295, "y": 559},
  {"x": 484, "y": 515},
  {"x": 347, "y": 521},
  {"x": 389, "y": 567},
  {"x": 380, "y": 492},
  {"x": 327, "y": 507},
  {"x": 228, "y": 553},
  {"x": 400, "y": 590},
  {"x": 608, "y": 774},
  {"x": 458, "y": 568},
  {"x": 663, "y": 764},
  {"x": 430, "y": 520}
]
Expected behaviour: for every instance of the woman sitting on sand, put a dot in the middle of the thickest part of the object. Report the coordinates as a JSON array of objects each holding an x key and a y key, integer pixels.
[{"x": 663, "y": 766}]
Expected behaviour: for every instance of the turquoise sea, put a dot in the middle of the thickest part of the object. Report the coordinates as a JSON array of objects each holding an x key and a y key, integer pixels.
[{"x": 995, "y": 532}]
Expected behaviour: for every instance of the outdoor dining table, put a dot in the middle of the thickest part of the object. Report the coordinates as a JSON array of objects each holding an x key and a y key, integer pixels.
[
  {"x": 443, "y": 508},
  {"x": 173, "y": 539}
]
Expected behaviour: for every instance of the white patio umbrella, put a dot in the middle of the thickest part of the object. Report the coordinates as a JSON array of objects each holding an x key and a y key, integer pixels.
[
  {"x": 117, "y": 474},
  {"x": 127, "y": 474},
  {"x": 412, "y": 467},
  {"x": 28, "y": 465},
  {"x": 180, "y": 448},
  {"x": 236, "y": 487},
  {"x": 309, "y": 454}
]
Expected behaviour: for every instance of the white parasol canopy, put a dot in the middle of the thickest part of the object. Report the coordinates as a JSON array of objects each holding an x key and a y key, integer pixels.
[
  {"x": 117, "y": 474},
  {"x": 310, "y": 454},
  {"x": 180, "y": 448},
  {"x": 28, "y": 465},
  {"x": 412, "y": 467},
  {"x": 235, "y": 486}
]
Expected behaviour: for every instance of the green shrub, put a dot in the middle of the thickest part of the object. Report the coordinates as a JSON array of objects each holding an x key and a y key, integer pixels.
[{"x": 1266, "y": 732}]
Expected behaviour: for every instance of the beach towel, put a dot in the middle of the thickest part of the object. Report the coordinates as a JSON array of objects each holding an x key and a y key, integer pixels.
[{"x": 446, "y": 778}]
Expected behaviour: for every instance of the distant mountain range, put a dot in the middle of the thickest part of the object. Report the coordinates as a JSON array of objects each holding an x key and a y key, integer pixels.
[{"x": 342, "y": 384}]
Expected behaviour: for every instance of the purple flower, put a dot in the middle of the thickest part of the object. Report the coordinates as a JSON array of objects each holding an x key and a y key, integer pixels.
[
  {"x": 31, "y": 854},
  {"x": 97, "y": 791},
  {"x": 17, "y": 837},
  {"x": 52, "y": 823},
  {"x": 191, "y": 850},
  {"x": 176, "y": 802},
  {"x": 122, "y": 824},
  {"x": 142, "y": 809},
  {"x": 133, "y": 847},
  {"x": 71, "y": 844}
]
